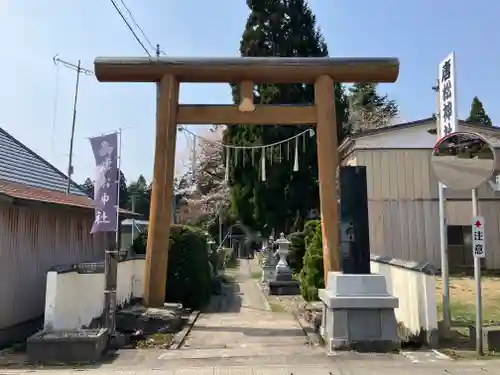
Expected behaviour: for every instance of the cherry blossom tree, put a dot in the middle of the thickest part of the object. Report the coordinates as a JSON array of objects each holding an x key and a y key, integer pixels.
[{"x": 206, "y": 193}]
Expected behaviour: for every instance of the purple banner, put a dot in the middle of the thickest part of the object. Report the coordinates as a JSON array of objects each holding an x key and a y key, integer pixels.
[{"x": 106, "y": 184}]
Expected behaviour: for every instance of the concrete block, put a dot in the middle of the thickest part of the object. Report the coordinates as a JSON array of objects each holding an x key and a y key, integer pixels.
[
  {"x": 491, "y": 338},
  {"x": 84, "y": 345}
]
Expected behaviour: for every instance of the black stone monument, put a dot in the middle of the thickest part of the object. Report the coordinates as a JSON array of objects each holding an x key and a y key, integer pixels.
[{"x": 354, "y": 228}]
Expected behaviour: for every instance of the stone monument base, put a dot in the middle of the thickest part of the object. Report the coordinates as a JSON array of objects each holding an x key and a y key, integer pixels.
[
  {"x": 268, "y": 273},
  {"x": 284, "y": 288},
  {"x": 358, "y": 313},
  {"x": 284, "y": 284},
  {"x": 85, "y": 345}
]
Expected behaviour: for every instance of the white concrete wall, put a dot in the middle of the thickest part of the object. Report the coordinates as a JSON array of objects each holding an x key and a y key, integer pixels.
[
  {"x": 416, "y": 292},
  {"x": 72, "y": 300}
]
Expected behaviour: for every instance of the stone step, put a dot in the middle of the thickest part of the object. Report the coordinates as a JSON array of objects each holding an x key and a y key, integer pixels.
[
  {"x": 301, "y": 342},
  {"x": 246, "y": 350}
]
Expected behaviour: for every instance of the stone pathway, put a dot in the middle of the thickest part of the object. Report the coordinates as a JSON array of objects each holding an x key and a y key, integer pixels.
[
  {"x": 242, "y": 324},
  {"x": 240, "y": 336},
  {"x": 323, "y": 366}
]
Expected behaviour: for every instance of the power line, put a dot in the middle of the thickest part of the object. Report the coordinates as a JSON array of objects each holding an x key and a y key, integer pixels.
[
  {"x": 130, "y": 27},
  {"x": 136, "y": 24}
]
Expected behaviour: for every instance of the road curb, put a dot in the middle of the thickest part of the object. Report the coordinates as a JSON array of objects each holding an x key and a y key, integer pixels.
[
  {"x": 180, "y": 337},
  {"x": 264, "y": 296},
  {"x": 312, "y": 336}
]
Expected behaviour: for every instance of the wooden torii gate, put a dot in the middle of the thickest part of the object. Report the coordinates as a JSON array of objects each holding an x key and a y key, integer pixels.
[{"x": 247, "y": 72}]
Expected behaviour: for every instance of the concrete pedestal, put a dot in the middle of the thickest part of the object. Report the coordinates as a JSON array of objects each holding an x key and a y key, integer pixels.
[
  {"x": 284, "y": 284},
  {"x": 358, "y": 313},
  {"x": 85, "y": 345},
  {"x": 268, "y": 273}
]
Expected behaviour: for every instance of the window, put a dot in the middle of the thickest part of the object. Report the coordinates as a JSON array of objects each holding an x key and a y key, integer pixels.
[
  {"x": 460, "y": 247},
  {"x": 455, "y": 235}
]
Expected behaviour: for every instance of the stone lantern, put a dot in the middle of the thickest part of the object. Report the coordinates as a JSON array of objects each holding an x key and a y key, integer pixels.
[
  {"x": 283, "y": 284},
  {"x": 282, "y": 266},
  {"x": 268, "y": 261}
]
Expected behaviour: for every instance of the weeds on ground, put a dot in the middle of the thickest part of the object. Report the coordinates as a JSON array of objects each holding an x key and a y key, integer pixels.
[{"x": 456, "y": 342}]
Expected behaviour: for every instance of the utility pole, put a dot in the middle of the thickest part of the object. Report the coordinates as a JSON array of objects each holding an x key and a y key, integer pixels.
[
  {"x": 78, "y": 70},
  {"x": 133, "y": 218},
  {"x": 158, "y": 83}
]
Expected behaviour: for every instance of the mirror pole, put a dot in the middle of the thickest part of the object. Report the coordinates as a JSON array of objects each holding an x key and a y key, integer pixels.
[{"x": 443, "y": 232}]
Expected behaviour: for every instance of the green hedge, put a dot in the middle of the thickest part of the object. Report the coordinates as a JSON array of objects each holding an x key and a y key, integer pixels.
[
  {"x": 188, "y": 272},
  {"x": 140, "y": 243},
  {"x": 311, "y": 276},
  {"x": 297, "y": 251}
]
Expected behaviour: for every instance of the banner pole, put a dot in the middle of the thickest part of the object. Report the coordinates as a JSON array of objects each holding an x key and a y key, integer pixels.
[{"x": 107, "y": 154}]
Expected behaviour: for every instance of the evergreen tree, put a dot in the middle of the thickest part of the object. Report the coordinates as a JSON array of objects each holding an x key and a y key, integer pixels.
[
  {"x": 477, "y": 113},
  {"x": 88, "y": 187},
  {"x": 123, "y": 190},
  {"x": 137, "y": 191},
  {"x": 312, "y": 276},
  {"x": 285, "y": 28}
]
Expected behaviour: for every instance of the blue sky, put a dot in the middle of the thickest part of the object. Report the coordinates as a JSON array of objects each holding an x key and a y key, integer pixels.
[{"x": 420, "y": 33}]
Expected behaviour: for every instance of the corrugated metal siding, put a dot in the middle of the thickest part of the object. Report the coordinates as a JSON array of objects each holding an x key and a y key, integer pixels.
[
  {"x": 19, "y": 164},
  {"x": 403, "y": 206},
  {"x": 405, "y": 230},
  {"x": 403, "y": 213},
  {"x": 32, "y": 240},
  {"x": 397, "y": 174}
]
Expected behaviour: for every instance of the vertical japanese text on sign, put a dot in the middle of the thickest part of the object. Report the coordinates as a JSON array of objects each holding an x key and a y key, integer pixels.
[
  {"x": 106, "y": 183},
  {"x": 447, "y": 108},
  {"x": 478, "y": 239}
]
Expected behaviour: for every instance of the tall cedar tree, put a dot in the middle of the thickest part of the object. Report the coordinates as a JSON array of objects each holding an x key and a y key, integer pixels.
[
  {"x": 282, "y": 28},
  {"x": 477, "y": 113},
  {"x": 138, "y": 197}
]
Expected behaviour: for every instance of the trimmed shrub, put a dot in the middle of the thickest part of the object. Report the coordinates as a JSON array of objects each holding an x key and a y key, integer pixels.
[
  {"x": 309, "y": 229},
  {"x": 188, "y": 272},
  {"x": 311, "y": 276},
  {"x": 140, "y": 243},
  {"x": 188, "y": 276},
  {"x": 297, "y": 251}
]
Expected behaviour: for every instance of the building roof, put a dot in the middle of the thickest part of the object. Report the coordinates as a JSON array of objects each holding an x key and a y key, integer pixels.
[
  {"x": 24, "y": 175},
  {"x": 23, "y": 192},
  {"x": 19, "y": 164},
  {"x": 481, "y": 129},
  {"x": 134, "y": 221}
]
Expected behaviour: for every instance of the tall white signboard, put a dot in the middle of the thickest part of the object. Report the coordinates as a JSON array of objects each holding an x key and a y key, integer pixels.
[
  {"x": 448, "y": 99},
  {"x": 478, "y": 248}
]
